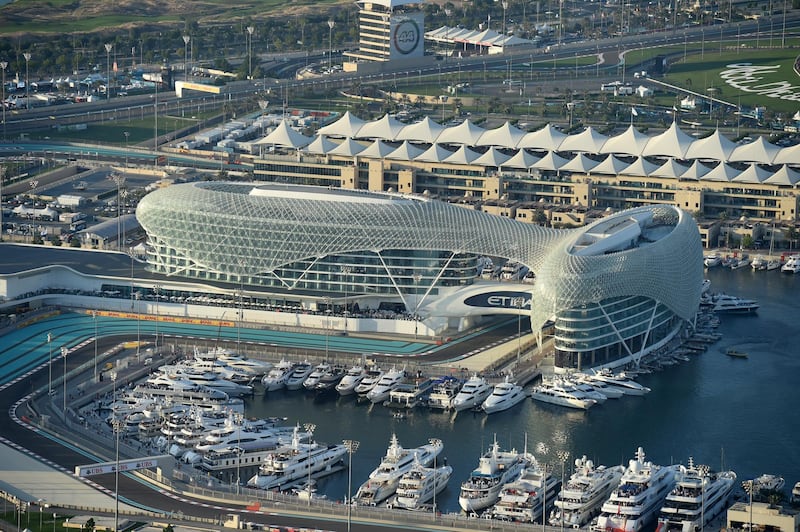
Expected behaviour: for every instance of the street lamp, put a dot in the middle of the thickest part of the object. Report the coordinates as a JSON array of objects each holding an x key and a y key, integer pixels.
[
  {"x": 436, "y": 443},
  {"x": 505, "y": 7},
  {"x": 447, "y": 12},
  {"x": 27, "y": 56},
  {"x": 117, "y": 426},
  {"x": 310, "y": 428},
  {"x": 327, "y": 324},
  {"x": 352, "y": 447},
  {"x": 345, "y": 272},
  {"x": 94, "y": 317},
  {"x": 239, "y": 419},
  {"x": 108, "y": 46},
  {"x": 250, "y": 30},
  {"x": 331, "y": 24},
  {"x": 186, "y": 40},
  {"x": 563, "y": 456},
  {"x": 64, "y": 354},
  {"x": 3, "y": 66},
  {"x": 519, "y": 302},
  {"x": 119, "y": 180},
  {"x": 156, "y": 290},
  {"x": 50, "y": 364},
  {"x": 127, "y": 134},
  {"x": 543, "y": 449},
  {"x": 417, "y": 278}
]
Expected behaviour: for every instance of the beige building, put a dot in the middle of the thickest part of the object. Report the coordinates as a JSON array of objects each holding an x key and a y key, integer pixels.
[{"x": 763, "y": 517}]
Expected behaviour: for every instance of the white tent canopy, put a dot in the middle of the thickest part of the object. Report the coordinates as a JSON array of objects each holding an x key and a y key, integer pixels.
[
  {"x": 435, "y": 154},
  {"x": 387, "y": 128},
  {"x": 588, "y": 141},
  {"x": 346, "y": 126},
  {"x": 758, "y": 151},
  {"x": 713, "y": 147},
  {"x": 492, "y": 157},
  {"x": 320, "y": 145},
  {"x": 522, "y": 159},
  {"x": 551, "y": 161},
  {"x": 426, "y": 130},
  {"x": 548, "y": 138},
  {"x": 463, "y": 155},
  {"x": 671, "y": 143},
  {"x": 670, "y": 169},
  {"x": 284, "y": 136},
  {"x": 580, "y": 164},
  {"x": 505, "y": 136},
  {"x": 630, "y": 142},
  {"x": 406, "y": 152},
  {"x": 723, "y": 172},
  {"x": 788, "y": 155},
  {"x": 785, "y": 176},
  {"x": 377, "y": 150},
  {"x": 696, "y": 171},
  {"x": 612, "y": 165},
  {"x": 640, "y": 167},
  {"x": 465, "y": 133},
  {"x": 348, "y": 147},
  {"x": 752, "y": 174}
]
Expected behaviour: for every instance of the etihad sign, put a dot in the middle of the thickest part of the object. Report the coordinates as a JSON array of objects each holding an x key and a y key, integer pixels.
[{"x": 747, "y": 77}]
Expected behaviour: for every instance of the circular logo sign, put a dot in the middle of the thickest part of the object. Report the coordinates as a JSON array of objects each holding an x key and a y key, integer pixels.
[{"x": 406, "y": 36}]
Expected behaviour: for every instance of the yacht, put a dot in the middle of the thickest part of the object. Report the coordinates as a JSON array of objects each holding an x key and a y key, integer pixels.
[
  {"x": 488, "y": 271},
  {"x": 388, "y": 382},
  {"x": 254, "y": 368},
  {"x": 353, "y": 377},
  {"x": 586, "y": 490},
  {"x": 443, "y": 392},
  {"x": 495, "y": 469},
  {"x": 524, "y": 499},
  {"x": 504, "y": 395},
  {"x": 733, "y": 305},
  {"x": 773, "y": 264},
  {"x": 621, "y": 381},
  {"x": 298, "y": 375},
  {"x": 639, "y": 496},
  {"x": 792, "y": 265},
  {"x": 276, "y": 378},
  {"x": 759, "y": 262},
  {"x": 384, "y": 479},
  {"x": 795, "y": 493},
  {"x": 585, "y": 388},
  {"x": 316, "y": 374},
  {"x": 698, "y": 497},
  {"x": 420, "y": 485},
  {"x": 763, "y": 485},
  {"x": 330, "y": 379},
  {"x": 369, "y": 381},
  {"x": 308, "y": 492},
  {"x": 611, "y": 392},
  {"x": 556, "y": 394},
  {"x": 510, "y": 271},
  {"x": 741, "y": 262},
  {"x": 472, "y": 394},
  {"x": 410, "y": 394},
  {"x": 287, "y": 465},
  {"x": 711, "y": 260}
]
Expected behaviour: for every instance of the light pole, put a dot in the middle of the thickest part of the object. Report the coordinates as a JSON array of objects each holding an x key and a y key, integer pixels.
[
  {"x": 94, "y": 317},
  {"x": 447, "y": 12},
  {"x": 27, "y": 56},
  {"x": 417, "y": 279},
  {"x": 519, "y": 301},
  {"x": 543, "y": 449},
  {"x": 186, "y": 40},
  {"x": 3, "y": 66},
  {"x": 127, "y": 134},
  {"x": 50, "y": 364},
  {"x": 64, "y": 354},
  {"x": 331, "y": 24},
  {"x": 156, "y": 290},
  {"x": 436, "y": 443},
  {"x": 505, "y": 7},
  {"x": 310, "y": 428},
  {"x": 250, "y": 30},
  {"x": 563, "y": 455},
  {"x": 137, "y": 295},
  {"x": 119, "y": 180},
  {"x": 117, "y": 425},
  {"x": 108, "y": 46},
  {"x": 346, "y": 273},
  {"x": 239, "y": 419},
  {"x": 327, "y": 324},
  {"x": 352, "y": 447}
]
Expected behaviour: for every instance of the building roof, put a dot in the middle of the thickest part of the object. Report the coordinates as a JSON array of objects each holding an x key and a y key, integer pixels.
[
  {"x": 714, "y": 147},
  {"x": 547, "y": 138},
  {"x": 283, "y": 135},
  {"x": 387, "y": 128},
  {"x": 589, "y": 141},
  {"x": 346, "y": 126},
  {"x": 631, "y": 142},
  {"x": 426, "y": 130},
  {"x": 758, "y": 151},
  {"x": 671, "y": 143},
  {"x": 503, "y": 136},
  {"x": 464, "y": 133}
]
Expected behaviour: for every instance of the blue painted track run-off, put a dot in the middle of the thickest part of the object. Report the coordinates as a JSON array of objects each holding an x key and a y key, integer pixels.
[{"x": 27, "y": 347}]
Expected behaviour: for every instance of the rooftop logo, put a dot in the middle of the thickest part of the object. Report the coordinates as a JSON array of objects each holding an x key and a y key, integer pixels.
[{"x": 495, "y": 300}]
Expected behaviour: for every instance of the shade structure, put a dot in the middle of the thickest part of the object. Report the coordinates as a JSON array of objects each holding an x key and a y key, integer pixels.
[
  {"x": 640, "y": 167},
  {"x": 426, "y": 130},
  {"x": 588, "y": 141},
  {"x": 283, "y": 135},
  {"x": 546, "y": 139},
  {"x": 752, "y": 174},
  {"x": 551, "y": 161},
  {"x": 465, "y": 133},
  {"x": 671, "y": 143},
  {"x": 505, "y": 136},
  {"x": 722, "y": 172},
  {"x": 377, "y": 150},
  {"x": 630, "y": 142},
  {"x": 696, "y": 171},
  {"x": 522, "y": 159},
  {"x": 713, "y": 147},
  {"x": 580, "y": 164},
  {"x": 387, "y": 128},
  {"x": 492, "y": 157},
  {"x": 463, "y": 155},
  {"x": 405, "y": 152},
  {"x": 789, "y": 155},
  {"x": 348, "y": 147},
  {"x": 346, "y": 126},
  {"x": 435, "y": 154},
  {"x": 320, "y": 145},
  {"x": 671, "y": 169},
  {"x": 758, "y": 151},
  {"x": 612, "y": 165},
  {"x": 785, "y": 176}
]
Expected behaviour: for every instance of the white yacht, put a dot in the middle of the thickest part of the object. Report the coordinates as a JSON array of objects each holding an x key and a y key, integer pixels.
[
  {"x": 287, "y": 465},
  {"x": 410, "y": 394},
  {"x": 740, "y": 262},
  {"x": 472, "y": 394},
  {"x": 586, "y": 490},
  {"x": 443, "y": 392},
  {"x": 585, "y": 388},
  {"x": 369, "y": 381},
  {"x": 495, "y": 469},
  {"x": 698, "y": 497},
  {"x": 611, "y": 392},
  {"x": 384, "y": 479},
  {"x": 733, "y": 305},
  {"x": 759, "y": 262},
  {"x": 510, "y": 271},
  {"x": 639, "y": 496},
  {"x": 504, "y": 395},
  {"x": 316, "y": 374},
  {"x": 525, "y": 498},
  {"x": 556, "y": 394},
  {"x": 298, "y": 375},
  {"x": 711, "y": 260},
  {"x": 621, "y": 381},
  {"x": 388, "y": 382},
  {"x": 351, "y": 379},
  {"x": 254, "y": 368},
  {"x": 795, "y": 499},
  {"x": 792, "y": 265},
  {"x": 276, "y": 378},
  {"x": 420, "y": 484},
  {"x": 763, "y": 485}
]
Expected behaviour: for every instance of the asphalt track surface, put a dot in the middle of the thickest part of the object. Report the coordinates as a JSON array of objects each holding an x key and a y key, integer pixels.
[{"x": 26, "y": 348}]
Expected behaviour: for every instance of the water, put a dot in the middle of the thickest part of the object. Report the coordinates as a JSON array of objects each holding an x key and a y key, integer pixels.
[{"x": 725, "y": 412}]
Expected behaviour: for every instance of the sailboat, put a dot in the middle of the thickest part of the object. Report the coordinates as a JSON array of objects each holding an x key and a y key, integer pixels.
[{"x": 769, "y": 262}]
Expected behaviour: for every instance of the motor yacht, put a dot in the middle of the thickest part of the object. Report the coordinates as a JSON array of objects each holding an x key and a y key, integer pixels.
[
  {"x": 316, "y": 374},
  {"x": 388, "y": 382},
  {"x": 495, "y": 469},
  {"x": 410, "y": 394},
  {"x": 759, "y": 262},
  {"x": 586, "y": 389},
  {"x": 504, "y": 395},
  {"x": 420, "y": 485},
  {"x": 711, "y": 260},
  {"x": 556, "y": 394},
  {"x": 621, "y": 381},
  {"x": 472, "y": 394},
  {"x": 510, "y": 271},
  {"x": 444, "y": 391},
  {"x": 384, "y": 479},
  {"x": 330, "y": 379},
  {"x": 763, "y": 485},
  {"x": 287, "y": 465},
  {"x": 698, "y": 497},
  {"x": 724, "y": 303},
  {"x": 353, "y": 377},
  {"x": 635, "y": 503},
  {"x": 741, "y": 262},
  {"x": 276, "y": 378},
  {"x": 369, "y": 381},
  {"x": 585, "y": 491},
  {"x": 298, "y": 375},
  {"x": 795, "y": 499},
  {"x": 525, "y": 498},
  {"x": 792, "y": 265},
  {"x": 611, "y": 392}
]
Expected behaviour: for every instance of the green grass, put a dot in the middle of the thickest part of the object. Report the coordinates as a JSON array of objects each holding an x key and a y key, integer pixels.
[{"x": 112, "y": 132}]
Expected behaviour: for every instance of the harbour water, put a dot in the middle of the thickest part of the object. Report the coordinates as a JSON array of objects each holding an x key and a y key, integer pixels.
[{"x": 726, "y": 412}]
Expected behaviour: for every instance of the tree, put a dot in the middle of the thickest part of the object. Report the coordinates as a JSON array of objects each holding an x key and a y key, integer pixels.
[
  {"x": 89, "y": 526},
  {"x": 747, "y": 241},
  {"x": 168, "y": 528}
]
